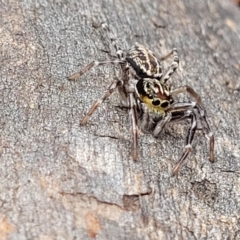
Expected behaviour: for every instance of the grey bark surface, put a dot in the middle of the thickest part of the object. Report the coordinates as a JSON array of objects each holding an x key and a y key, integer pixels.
[{"x": 60, "y": 180}]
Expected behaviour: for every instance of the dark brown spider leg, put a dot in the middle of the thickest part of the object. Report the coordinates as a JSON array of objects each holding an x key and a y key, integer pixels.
[
  {"x": 180, "y": 107},
  {"x": 177, "y": 112},
  {"x": 189, "y": 90},
  {"x": 133, "y": 113},
  {"x": 91, "y": 65},
  {"x": 178, "y": 116},
  {"x": 206, "y": 129},
  {"x": 189, "y": 138},
  {"x": 173, "y": 66},
  {"x": 112, "y": 87},
  {"x": 211, "y": 137}
]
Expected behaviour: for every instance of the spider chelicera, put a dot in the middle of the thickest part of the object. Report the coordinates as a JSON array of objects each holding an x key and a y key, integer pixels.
[{"x": 143, "y": 86}]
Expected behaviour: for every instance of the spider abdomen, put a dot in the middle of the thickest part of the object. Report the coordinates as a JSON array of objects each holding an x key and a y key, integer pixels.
[{"x": 144, "y": 62}]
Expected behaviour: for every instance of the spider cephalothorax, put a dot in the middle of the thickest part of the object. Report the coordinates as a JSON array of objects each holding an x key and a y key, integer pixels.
[
  {"x": 154, "y": 94},
  {"x": 144, "y": 86}
]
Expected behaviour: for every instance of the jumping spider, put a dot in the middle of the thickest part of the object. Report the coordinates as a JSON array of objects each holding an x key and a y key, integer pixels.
[{"x": 144, "y": 88}]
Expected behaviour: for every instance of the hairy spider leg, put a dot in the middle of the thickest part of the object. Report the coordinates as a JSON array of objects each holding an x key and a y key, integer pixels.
[
  {"x": 205, "y": 125},
  {"x": 113, "y": 41},
  {"x": 180, "y": 108},
  {"x": 189, "y": 90},
  {"x": 179, "y": 112},
  {"x": 211, "y": 137},
  {"x": 161, "y": 124},
  {"x": 207, "y": 131},
  {"x": 173, "y": 67},
  {"x": 112, "y": 87},
  {"x": 133, "y": 114},
  {"x": 188, "y": 141},
  {"x": 91, "y": 65}
]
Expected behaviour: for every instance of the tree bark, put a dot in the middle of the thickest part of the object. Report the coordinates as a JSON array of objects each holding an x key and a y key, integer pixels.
[{"x": 60, "y": 180}]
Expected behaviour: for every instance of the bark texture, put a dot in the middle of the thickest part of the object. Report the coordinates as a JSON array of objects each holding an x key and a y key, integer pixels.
[{"x": 60, "y": 180}]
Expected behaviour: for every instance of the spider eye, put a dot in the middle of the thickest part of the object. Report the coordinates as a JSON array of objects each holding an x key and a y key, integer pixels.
[
  {"x": 156, "y": 102},
  {"x": 150, "y": 96},
  {"x": 164, "y": 104}
]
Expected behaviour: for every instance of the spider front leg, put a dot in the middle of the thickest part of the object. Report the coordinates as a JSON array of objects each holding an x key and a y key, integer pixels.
[
  {"x": 189, "y": 90},
  {"x": 112, "y": 87},
  {"x": 188, "y": 142},
  {"x": 202, "y": 115},
  {"x": 186, "y": 112},
  {"x": 207, "y": 131},
  {"x": 179, "y": 112},
  {"x": 160, "y": 125},
  {"x": 91, "y": 65}
]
